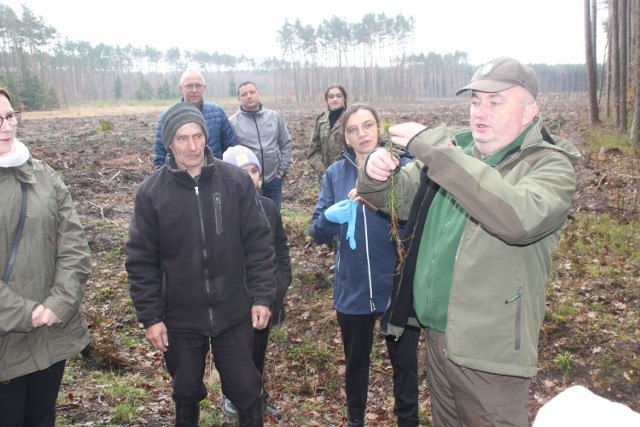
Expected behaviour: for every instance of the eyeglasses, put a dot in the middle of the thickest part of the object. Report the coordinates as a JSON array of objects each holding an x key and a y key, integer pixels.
[
  {"x": 191, "y": 86},
  {"x": 12, "y": 118},
  {"x": 366, "y": 127}
]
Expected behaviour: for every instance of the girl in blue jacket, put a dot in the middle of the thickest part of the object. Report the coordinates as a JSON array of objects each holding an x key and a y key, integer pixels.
[{"x": 364, "y": 267}]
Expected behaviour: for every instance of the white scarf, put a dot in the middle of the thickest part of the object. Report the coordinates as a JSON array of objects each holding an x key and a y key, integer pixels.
[{"x": 18, "y": 155}]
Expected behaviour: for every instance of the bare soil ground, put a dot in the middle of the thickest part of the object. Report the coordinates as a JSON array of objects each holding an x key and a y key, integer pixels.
[{"x": 104, "y": 155}]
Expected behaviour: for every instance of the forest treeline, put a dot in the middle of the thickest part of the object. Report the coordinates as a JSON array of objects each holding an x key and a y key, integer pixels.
[{"x": 369, "y": 57}]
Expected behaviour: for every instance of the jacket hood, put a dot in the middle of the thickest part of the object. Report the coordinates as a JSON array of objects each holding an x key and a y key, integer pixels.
[
  {"x": 535, "y": 136},
  {"x": 25, "y": 172},
  {"x": 538, "y": 132}
]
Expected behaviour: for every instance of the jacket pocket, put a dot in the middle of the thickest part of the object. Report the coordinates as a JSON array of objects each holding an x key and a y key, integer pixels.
[
  {"x": 217, "y": 208},
  {"x": 518, "y": 319}
]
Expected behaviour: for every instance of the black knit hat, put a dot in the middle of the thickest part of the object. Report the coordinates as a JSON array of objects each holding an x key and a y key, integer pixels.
[{"x": 178, "y": 115}]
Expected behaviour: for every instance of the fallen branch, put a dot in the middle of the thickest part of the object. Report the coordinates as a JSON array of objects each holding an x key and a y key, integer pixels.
[
  {"x": 97, "y": 206},
  {"x": 626, "y": 175},
  {"x": 604, "y": 177}
]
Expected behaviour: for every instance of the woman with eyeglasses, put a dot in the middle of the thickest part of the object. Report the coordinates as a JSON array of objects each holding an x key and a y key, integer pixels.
[
  {"x": 44, "y": 262},
  {"x": 364, "y": 269},
  {"x": 327, "y": 140}
]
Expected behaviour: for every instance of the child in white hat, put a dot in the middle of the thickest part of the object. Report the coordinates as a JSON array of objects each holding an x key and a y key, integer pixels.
[{"x": 244, "y": 158}]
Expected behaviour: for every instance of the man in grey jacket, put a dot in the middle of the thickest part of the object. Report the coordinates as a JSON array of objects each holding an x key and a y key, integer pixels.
[
  {"x": 263, "y": 131},
  {"x": 490, "y": 201}
]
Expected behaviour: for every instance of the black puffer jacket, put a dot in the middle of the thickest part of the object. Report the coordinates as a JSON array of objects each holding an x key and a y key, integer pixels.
[{"x": 190, "y": 245}]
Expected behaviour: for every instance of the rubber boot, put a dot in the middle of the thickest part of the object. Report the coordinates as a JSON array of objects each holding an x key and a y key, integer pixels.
[
  {"x": 356, "y": 417},
  {"x": 187, "y": 415},
  {"x": 252, "y": 416}
]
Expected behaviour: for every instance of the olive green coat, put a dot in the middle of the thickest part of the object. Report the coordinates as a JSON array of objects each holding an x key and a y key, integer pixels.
[
  {"x": 326, "y": 144},
  {"x": 51, "y": 268}
]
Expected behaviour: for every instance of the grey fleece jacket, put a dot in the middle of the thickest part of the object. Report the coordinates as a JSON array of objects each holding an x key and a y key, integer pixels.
[{"x": 264, "y": 133}]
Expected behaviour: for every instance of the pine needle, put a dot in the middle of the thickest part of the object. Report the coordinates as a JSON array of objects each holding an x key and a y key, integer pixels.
[{"x": 393, "y": 201}]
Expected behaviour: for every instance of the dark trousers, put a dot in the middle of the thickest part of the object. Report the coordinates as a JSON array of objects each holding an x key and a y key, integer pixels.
[
  {"x": 403, "y": 355},
  {"x": 30, "y": 400},
  {"x": 232, "y": 355},
  {"x": 357, "y": 338},
  {"x": 273, "y": 190},
  {"x": 260, "y": 342}
]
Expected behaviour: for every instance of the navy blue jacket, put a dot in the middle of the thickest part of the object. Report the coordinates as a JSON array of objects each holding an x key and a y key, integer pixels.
[
  {"x": 364, "y": 276},
  {"x": 221, "y": 134}
]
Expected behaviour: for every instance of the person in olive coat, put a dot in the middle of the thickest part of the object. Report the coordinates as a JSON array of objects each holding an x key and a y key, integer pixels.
[
  {"x": 42, "y": 323},
  {"x": 327, "y": 140}
]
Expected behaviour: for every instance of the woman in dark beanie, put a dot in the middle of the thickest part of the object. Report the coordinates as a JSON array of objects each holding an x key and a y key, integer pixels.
[{"x": 201, "y": 268}]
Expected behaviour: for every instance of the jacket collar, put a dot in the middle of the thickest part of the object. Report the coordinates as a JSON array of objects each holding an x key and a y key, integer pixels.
[
  {"x": 199, "y": 106},
  {"x": 259, "y": 110},
  {"x": 207, "y": 169},
  {"x": 349, "y": 157}
]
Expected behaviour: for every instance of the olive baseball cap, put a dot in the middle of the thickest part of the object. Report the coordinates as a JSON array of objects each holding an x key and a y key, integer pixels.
[{"x": 501, "y": 74}]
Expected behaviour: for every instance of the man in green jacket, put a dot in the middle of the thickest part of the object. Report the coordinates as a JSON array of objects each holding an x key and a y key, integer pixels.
[{"x": 490, "y": 201}]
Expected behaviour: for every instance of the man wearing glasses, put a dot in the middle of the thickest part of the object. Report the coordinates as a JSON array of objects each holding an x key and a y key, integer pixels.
[{"x": 221, "y": 136}]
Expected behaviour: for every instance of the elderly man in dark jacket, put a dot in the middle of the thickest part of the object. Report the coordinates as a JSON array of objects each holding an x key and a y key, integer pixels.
[{"x": 196, "y": 232}]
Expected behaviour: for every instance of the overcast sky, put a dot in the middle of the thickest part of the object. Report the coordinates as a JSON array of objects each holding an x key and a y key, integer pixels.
[{"x": 541, "y": 31}]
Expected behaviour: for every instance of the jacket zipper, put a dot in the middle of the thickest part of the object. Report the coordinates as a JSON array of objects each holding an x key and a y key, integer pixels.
[
  {"x": 255, "y": 122},
  {"x": 205, "y": 255},
  {"x": 217, "y": 207},
  {"x": 366, "y": 245},
  {"x": 517, "y": 300}
]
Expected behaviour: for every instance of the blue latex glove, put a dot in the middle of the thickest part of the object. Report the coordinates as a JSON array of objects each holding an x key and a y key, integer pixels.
[
  {"x": 340, "y": 212},
  {"x": 344, "y": 211},
  {"x": 351, "y": 226}
]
